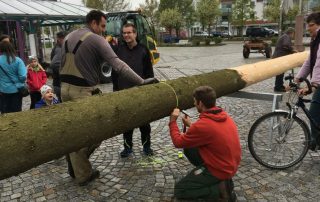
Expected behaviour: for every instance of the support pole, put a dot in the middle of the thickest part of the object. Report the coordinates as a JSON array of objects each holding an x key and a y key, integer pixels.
[{"x": 67, "y": 127}]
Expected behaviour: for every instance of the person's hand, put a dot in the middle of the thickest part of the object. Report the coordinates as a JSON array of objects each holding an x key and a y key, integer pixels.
[
  {"x": 112, "y": 40},
  {"x": 150, "y": 81},
  {"x": 303, "y": 91},
  {"x": 297, "y": 80},
  {"x": 175, "y": 114},
  {"x": 186, "y": 121}
]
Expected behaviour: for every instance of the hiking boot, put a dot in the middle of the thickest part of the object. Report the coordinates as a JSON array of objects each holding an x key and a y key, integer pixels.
[
  {"x": 227, "y": 193},
  {"x": 95, "y": 174},
  {"x": 148, "y": 151},
  {"x": 126, "y": 152}
]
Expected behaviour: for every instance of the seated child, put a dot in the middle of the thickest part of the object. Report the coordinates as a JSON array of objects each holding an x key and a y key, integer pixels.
[{"x": 47, "y": 97}]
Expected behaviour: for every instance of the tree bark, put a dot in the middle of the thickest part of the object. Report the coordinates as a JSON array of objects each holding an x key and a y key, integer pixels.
[{"x": 30, "y": 138}]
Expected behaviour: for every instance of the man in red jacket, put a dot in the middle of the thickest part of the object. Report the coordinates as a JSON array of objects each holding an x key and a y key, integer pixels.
[{"x": 212, "y": 145}]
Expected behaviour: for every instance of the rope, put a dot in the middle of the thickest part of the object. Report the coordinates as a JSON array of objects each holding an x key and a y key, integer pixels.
[{"x": 177, "y": 100}]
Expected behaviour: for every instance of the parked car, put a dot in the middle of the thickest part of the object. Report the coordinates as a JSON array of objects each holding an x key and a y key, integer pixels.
[
  {"x": 201, "y": 33},
  {"x": 226, "y": 34},
  {"x": 216, "y": 34},
  {"x": 170, "y": 39},
  {"x": 272, "y": 32},
  {"x": 257, "y": 32}
]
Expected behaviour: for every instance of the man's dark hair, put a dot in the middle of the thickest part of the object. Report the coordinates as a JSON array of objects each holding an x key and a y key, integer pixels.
[
  {"x": 7, "y": 49},
  {"x": 134, "y": 29},
  {"x": 4, "y": 36},
  {"x": 206, "y": 95},
  {"x": 61, "y": 34},
  {"x": 290, "y": 30},
  {"x": 314, "y": 17},
  {"x": 95, "y": 15}
]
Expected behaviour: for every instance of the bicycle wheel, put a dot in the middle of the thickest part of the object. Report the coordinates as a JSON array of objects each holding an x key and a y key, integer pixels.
[{"x": 278, "y": 142}]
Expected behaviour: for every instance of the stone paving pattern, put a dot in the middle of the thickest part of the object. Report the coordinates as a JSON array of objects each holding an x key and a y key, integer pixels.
[{"x": 140, "y": 178}]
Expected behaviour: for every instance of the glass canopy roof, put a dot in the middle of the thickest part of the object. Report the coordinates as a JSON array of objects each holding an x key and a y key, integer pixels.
[{"x": 48, "y": 12}]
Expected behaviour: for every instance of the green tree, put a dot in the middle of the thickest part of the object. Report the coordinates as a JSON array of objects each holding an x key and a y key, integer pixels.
[
  {"x": 167, "y": 4},
  {"x": 316, "y": 9},
  {"x": 242, "y": 10},
  {"x": 149, "y": 9},
  {"x": 272, "y": 11},
  {"x": 207, "y": 11},
  {"x": 187, "y": 11},
  {"x": 170, "y": 19},
  {"x": 292, "y": 13},
  {"x": 107, "y": 5},
  {"x": 184, "y": 7}
]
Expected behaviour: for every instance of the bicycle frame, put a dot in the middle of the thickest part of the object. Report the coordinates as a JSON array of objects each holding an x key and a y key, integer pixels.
[
  {"x": 300, "y": 104},
  {"x": 284, "y": 129}
]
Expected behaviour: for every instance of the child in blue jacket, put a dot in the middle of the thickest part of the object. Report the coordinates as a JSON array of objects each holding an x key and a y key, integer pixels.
[{"x": 47, "y": 97}]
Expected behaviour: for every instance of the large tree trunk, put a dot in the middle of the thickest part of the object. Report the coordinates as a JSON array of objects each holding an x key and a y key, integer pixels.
[{"x": 30, "y": 138}]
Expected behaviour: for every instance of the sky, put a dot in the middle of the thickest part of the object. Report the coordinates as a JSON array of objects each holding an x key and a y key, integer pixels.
[{"x": 134, "y": 3}]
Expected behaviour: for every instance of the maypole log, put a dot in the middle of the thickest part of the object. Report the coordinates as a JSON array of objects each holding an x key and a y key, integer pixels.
[{"x": 30, "y": 138}]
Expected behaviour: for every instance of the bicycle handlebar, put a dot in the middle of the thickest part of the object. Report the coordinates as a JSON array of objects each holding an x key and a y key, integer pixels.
[{"x": 293, "y": 84}]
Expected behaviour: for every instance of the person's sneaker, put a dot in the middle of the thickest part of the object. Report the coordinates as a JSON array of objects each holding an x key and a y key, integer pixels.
[
  {"x": 95, "y": 174},
  {"x": 125, "y": 153},
  {"x": 147, "y": 151}
]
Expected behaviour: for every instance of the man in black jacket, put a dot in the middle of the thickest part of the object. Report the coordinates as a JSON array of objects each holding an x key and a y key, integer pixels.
[
  {"x": 56, "y": 62},
  {"x": 137, "y": 56},
  {"x": 283, "y": 47}
]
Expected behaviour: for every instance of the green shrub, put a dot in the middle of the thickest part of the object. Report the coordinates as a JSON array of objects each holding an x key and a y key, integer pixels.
[
  {"x": 195, "y": 42},
  {"x": 274, "y": 41},
  {"x": 207, "y": 41},
  {"x": 217, "y": 40}
]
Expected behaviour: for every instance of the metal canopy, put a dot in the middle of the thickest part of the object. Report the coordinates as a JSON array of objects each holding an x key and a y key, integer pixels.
[{"x": 47, "y": 12}]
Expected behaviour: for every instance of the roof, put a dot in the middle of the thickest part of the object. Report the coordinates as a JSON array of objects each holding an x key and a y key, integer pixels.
[{"x": 48, "y": 12}]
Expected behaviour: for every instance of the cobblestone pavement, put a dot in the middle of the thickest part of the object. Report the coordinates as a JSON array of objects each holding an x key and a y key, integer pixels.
[{"x": 139, "y": 178}]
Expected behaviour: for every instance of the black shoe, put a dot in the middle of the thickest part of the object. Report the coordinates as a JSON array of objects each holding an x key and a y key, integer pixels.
[
  {"x": 226, "y": 191},
  {"x": 95, "y": 174},
  {"x": 313, "y": 146},
  {"x": 280, "y": 89},
  {"x": 70, "y": 168},
  {"x": 126, "y": 152},
  {"x": 148, "y": 151}
]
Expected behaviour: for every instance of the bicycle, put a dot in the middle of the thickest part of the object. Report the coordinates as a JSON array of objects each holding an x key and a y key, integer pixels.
[{"x": 280, "y": 139}]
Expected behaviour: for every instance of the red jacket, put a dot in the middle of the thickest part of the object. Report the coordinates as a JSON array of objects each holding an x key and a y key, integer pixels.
[
  {"x": 36, "y": 79},
  {"x": 216, "y": 137}
]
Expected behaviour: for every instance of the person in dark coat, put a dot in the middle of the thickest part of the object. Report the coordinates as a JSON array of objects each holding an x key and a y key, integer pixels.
[
  {"x": 3, "y": 37},
  {"x": 56, "y": 62},
  {"x": 137, "y": 56},
  {"x": 283, "y": 47}
]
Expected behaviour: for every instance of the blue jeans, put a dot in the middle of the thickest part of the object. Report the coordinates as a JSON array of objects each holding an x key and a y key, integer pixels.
[
  {"x": 11, "y": 102},
  {"x": 315, "y": 114}
]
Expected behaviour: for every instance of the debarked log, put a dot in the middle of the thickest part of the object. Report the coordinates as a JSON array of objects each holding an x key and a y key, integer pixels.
[{"x": 30, "y": 138}]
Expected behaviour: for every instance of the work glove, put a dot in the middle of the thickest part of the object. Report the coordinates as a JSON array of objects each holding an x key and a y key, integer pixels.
[{"x": 150, "y": 81}]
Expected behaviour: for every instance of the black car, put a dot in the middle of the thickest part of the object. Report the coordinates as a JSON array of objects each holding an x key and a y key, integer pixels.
[
  {"x": 216, "y": 34},
  {"x": 257, "y": 32}
]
